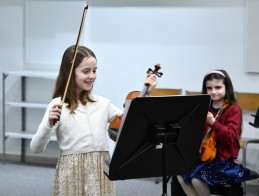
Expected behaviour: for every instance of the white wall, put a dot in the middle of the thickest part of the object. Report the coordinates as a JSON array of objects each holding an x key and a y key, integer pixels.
[
  {"x": 11, "y": 44},
  {"x": 188, "y": 38}
]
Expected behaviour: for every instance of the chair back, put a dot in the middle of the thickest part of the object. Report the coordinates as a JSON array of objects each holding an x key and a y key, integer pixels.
[
  {"x": 163, "y": 91},
  {"x": 192, "y": 92},
  {"x": 248, "y": 101}
]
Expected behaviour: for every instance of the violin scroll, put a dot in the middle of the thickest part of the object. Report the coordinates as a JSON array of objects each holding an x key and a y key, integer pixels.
[
  {"x": 157, "y": 67},
  {"x": 115, "y": 124}
]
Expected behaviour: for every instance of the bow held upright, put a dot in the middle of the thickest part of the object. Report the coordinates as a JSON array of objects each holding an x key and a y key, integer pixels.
[{"x": 70, "y": 70}]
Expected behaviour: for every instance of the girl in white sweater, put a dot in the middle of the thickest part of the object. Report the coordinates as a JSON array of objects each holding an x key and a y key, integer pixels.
[{"x": 80, "y": 129}]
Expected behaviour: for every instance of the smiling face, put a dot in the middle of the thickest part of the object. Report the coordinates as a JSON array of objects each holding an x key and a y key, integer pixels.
[
  {"x": 85, "y": 75},
  {"x": 217, "y": 90}
]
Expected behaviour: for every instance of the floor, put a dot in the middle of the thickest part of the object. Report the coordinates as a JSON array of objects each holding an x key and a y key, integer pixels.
[{"x": 30, "y": 180}]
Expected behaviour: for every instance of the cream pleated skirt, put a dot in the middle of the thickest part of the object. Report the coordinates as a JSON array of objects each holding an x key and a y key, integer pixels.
[{"x": 82, "y": 175}]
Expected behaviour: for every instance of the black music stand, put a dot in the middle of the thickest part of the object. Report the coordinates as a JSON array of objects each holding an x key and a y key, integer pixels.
[{"x": 159, "y": 136}]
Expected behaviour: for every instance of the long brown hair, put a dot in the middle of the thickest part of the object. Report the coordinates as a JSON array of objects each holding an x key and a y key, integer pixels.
[
  {"x": 230, "y": 95},
  {"x": 71, "y": 98}
]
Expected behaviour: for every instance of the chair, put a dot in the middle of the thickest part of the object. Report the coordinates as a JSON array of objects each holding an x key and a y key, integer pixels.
[
  {"x": 164, "y": 91},
  {"x": 249, "y": 102},
  {"x": 256, "y": 121},
  {"x": 192, "y": 92}
]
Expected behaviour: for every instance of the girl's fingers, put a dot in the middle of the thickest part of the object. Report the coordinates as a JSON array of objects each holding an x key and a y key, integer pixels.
[{"x": 55, "y": 112}]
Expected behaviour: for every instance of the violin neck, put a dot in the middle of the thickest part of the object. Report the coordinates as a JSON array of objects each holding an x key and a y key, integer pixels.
[
  {"x": 216, "y": 118},
  {"x": 143, "y": 93},
  {"x": 208, "y": 133}
]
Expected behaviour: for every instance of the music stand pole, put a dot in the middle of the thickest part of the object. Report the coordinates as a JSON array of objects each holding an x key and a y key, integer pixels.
[
  {"x": 164, "y": 168},
  {"x": 165, "y": 136}
]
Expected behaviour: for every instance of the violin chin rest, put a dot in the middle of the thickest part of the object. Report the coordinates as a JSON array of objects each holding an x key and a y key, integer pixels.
[{"x": 113, "y": 133}]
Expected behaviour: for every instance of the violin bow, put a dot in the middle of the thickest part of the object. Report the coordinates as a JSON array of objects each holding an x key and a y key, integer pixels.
[
  {"x": 73, "y": 58},
  {"x": 74, "y": 55}
]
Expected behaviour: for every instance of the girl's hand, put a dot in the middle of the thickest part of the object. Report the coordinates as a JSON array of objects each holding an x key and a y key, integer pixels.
[
  {"x": 210, "y": 118},
  {"x": 54, "y": 112},
  {"x": 151, "y": 80}
]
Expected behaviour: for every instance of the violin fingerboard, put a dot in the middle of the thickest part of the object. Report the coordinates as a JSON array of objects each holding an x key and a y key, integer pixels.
[{"x": 143, "y": 93}]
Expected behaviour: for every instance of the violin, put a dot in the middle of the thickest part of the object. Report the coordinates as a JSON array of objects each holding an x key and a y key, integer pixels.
[
  {"x": 115, "y": 124},
  {"x": 208, "y": 148}
]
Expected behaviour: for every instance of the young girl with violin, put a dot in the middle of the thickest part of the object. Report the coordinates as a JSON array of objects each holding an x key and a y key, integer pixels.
[
  {"x": 224, "y": 118},
  {"x": 80, "y": 127}
]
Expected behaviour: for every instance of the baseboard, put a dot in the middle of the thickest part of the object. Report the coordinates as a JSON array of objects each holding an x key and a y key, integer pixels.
[{"x": 46, "y": 161}]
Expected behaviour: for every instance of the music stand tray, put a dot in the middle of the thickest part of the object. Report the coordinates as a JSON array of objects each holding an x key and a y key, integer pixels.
[{"x": 158, "y": 136}]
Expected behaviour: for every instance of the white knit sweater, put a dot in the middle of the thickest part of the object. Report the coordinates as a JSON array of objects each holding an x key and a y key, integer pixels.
[{"x": 82, "y": 132}]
